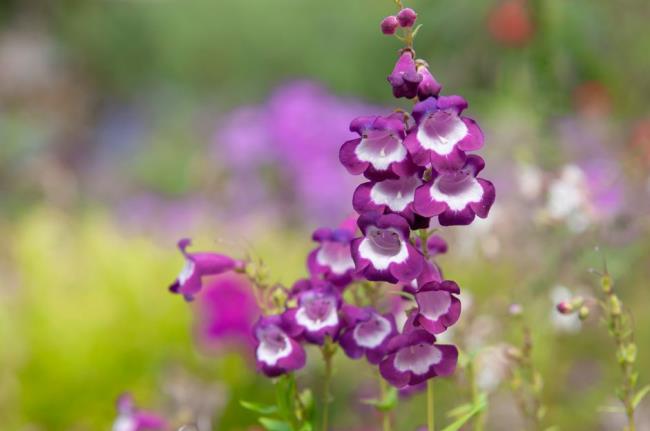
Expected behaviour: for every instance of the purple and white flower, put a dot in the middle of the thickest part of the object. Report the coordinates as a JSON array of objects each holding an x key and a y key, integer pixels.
[
  {"x": 404, "y": 78},
  {"x": 390, "y": 196},
  {"x": 197, "y": 265},
  {"x": 276, "y": 353},
  {"x": 430, "y": 272},
  {"x": 379, "y": 153},
  {"x": 316, "y": 316},
  {"x": 456, "y": 197},
  {"x": 413, "y": 357},
  {"x": 438, "y": 305},
  {"x": 130, "y": 418},
  {"x": 384, "y": 253},
  {"x": 368, "y": 332},
  {"x": 332, "y": 258},
  {"x": 442, "y": 134}
]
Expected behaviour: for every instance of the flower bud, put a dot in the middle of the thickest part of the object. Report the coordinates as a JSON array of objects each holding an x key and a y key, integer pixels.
[
  {"x": 615, "y": 305},
  {"x": 565, "y": 307},
  {"x": 389, "y": 25},
  {"x": 606, "y": 283},
  {"x": 583, "y": 313},
  {"x": 407, "y": 17}
]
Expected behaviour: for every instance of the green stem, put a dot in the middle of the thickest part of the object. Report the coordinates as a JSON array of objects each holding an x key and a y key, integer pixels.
[
  {"x": 386, "y": 425},
  {"x": 431, "y": 417},
  {"x": 479, "y": 421},
  {"x": 328, "y": 350}
]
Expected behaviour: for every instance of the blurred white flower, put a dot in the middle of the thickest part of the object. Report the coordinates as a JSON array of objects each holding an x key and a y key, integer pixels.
[{"x": 529, "y": 180}]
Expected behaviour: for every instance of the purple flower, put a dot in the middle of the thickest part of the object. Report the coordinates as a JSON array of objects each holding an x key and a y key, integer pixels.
[
  {"x": 131, "y": 418},
  {"x": 456, "y": 197},
  {"x": 438, "y": 306},
  {"x": 407, "y": 17},
  {"x": 332, "y": 258},
  {"x": 316, "y": 316},
  {"x": 367, "y": 332},
  {"x": 442, "y": 135},
  {"x": 430, "y": 272},
  {"x": 276, "y": 352},
  {"x": 379, "y": 153},
  {"x": 405, "y": 79},
  {"x": 197, "y": 265},
  {"x": 429, "y": 86},
  {"x": 388, "y": 196},
  {"x": 413, "y": 358},
  {"x": 218, "y": 320},
  {"x": 384, "y": 252}
]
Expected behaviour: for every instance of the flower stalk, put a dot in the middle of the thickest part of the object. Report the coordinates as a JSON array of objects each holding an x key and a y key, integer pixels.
[
  {"x": 620, "y": 328},
  {"x": 328, "y": 351},
  {"x": 431, "y": 416}
]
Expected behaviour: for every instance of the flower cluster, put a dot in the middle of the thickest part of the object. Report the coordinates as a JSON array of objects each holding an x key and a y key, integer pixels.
[{"x": 419, "y": 172}]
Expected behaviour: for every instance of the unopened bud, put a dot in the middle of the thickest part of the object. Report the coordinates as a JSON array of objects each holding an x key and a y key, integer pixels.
[
  {"x": 615, "y": 305},
  {"x": 583, "y": 313},
  {"x": 407, "y": 17},
  {"x": 565, "y": 307},
  {"x": 389, "y": 25},
  {"x": 606, "y": 283}
]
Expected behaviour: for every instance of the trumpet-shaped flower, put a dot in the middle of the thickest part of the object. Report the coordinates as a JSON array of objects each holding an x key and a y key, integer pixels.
[
  {"x": 442, "y": 134},
  {"x": 198, "y": 265},
  {"x": 276, "y": 353},
  {"x": 456, "y": 197},
  {"x": 414, "y": 357},
  {"x": 379, "y": 152},
  {"x": 384, "y": 253}
]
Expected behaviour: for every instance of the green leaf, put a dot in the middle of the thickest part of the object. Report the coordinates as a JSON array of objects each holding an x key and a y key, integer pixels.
[
  {"x": 263, "y": 409},
  {"x": 274, "y": 424},
  {"x": 477, "y": 408},
  {"x": 462, "y": 409},
  {"x": 306, "y": 427},
  {"x": 415, "y": 32},
  {"x": 640, "y": 395},
  {"x": 285, "y": 389},
  {"x": 385, "y": 404}
]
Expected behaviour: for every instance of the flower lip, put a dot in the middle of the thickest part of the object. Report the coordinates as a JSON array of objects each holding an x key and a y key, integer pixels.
[
  {"x": 414, "y": 357},
  {"x": 384, "y": 253},
  {"x": 456, "y": 197},
  {"x": 332, "y": 258},
  {"x": 438, "y": 307},
  {"x": 316, "y": 316},
  {"x": 367, "y": 332},
  {"x": 276, "y": 352}
]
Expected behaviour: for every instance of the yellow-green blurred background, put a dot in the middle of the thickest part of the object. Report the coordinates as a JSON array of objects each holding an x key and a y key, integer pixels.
[{"x": 126, "y": 124}]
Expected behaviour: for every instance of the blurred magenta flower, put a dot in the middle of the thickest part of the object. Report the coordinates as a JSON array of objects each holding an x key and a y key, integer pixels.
[
  {"x": 130, "y": 418},
  {"x": 283, "y": 153},
  {"x": 226, "y": 312}
]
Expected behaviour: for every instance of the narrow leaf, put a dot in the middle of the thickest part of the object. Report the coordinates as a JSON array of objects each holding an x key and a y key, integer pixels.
[
  {"x": 640, "y": 395},
  {"x": 478, "y": 407},
  {"x": 263, "y": 409},
  {"x": 274, "y": 424}
]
